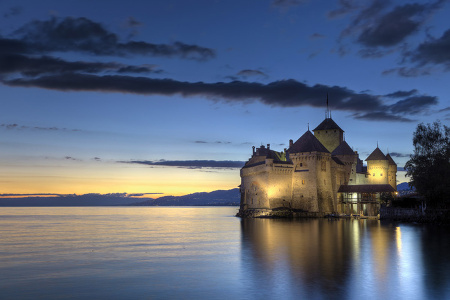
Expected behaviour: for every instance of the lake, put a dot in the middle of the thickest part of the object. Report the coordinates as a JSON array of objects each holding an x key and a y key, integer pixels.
[{"x": 207, "y": 253}]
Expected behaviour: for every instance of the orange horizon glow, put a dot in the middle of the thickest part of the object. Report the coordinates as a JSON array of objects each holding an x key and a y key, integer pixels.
[{"x": 113, "y": 178}]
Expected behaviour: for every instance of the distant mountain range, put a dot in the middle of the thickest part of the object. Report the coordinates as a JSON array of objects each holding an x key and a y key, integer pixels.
[{"x": 215, "y": 198}]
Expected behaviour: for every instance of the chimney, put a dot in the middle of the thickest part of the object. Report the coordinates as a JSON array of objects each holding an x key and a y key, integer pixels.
[
  {"x": 253, "y": 150},
  {"x": 268, "y": 146},
  {"x": 291, "y": 142}
]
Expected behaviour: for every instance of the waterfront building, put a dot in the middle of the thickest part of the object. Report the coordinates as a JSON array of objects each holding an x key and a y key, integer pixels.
[{"x": 318, "y": 174}]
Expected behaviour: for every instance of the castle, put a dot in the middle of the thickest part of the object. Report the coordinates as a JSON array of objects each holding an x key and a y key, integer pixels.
[{"x": 318, "y": 174}]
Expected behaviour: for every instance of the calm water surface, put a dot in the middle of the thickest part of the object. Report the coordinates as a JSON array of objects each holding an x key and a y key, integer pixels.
[{"x": 205, "y": 252}]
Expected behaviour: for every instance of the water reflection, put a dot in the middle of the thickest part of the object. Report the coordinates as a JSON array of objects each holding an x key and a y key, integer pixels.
[{"x": 350, "y": 259}]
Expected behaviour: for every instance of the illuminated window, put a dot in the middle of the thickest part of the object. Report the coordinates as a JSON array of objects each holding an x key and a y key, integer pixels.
[{"x": 303, "y": 181}]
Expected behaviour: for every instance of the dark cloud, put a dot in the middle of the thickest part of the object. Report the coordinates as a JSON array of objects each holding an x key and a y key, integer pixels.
[
  {"x": 13, "y": 11},
  {"x": 34, "y": 66},
  {"x": 248, "y": 73},
  {"x": 132, "y": 22},
  {"x": 402, "y": 94},
  {"x": 284, "y": 93},
  {"x": 445, "y": 109},
  {"x": 216, "y": 142},
  {"x": 143, "y": 194},
  {"x": 10, "y": 126},
  {"x": 413, "y": 105},
  {"x": 16, "y": 126},
  {"x": 434, "y": 51},
  {"x": 397, "y": 154},
  {"x": 392, "y": 28},
  {"x": 345, "y": 7},
  {"x": 374, "y": 52},
  {"x": 71, "y": 158},
  {"x": 380, "y": 25},
  {"x": 140, "y": 69},
  {"x": 381, "y": 116},
  {"x": 97, "y": 159},
  {"x": 408, "y": 72},
  {"x": 288, "y": 3},
  {"x": 84, "y": 35},
  {"x": 191, "y": 164},
  {"x": 316, "y": 36}
]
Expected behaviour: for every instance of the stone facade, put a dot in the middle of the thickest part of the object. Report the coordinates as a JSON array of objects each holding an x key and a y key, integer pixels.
[{"x": 318, "y": 174}]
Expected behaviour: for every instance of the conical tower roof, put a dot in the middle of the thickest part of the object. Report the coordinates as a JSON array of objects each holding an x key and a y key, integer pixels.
[
  {"x": 307, "y": 143},
  {"x": 343, "y": 149},
  {"x": 377, "y": 155},
  {"x": 328, "y": 124},
  {"x": 391, "y": 161}
]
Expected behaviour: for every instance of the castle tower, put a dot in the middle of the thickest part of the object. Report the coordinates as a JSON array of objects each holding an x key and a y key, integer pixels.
[
  {"x": 350, "y": 159},
  {"x": 377, "y": 167},
  {"x": 392, "y": 172},
  {"x": 311, "y": 179},
  {"x": 329, "y": 134}
]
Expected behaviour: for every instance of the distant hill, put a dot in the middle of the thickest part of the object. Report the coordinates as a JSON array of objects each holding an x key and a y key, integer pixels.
[
  {"x": 69, "y": 200},
  {"x": 403, "y": 187},
  {"x": 215, "y": 198}
]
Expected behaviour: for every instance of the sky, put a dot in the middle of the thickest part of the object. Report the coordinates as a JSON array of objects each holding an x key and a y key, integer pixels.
[{"x": 168, "y": 97}]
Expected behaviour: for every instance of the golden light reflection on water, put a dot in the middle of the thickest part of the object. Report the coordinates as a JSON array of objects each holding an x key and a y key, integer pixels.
[
  {"x": 358, "y": 258},
  {"x": 398, "y": 239}
]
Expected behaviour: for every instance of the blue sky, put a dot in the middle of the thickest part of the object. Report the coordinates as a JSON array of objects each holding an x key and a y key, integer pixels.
[{"x": 170, "y": 96}]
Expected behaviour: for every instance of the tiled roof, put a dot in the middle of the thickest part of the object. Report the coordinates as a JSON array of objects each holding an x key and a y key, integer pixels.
[
  {"x": 328, "y": 124},
  {"x": 376, "y": 155},
  {"x": 343, "y": 149},
  {"x": 391, "y": 161},
  {"x": 366, "y": 188},
  {"x": 307, "y": 143}
]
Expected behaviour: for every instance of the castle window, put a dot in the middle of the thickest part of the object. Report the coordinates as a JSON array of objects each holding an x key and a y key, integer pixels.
[
  {"x": 324, "y": 165},
  {"x": 373, "y": 174},
  {"x": 303, "y": 181},
  {"x": 335, "y": 131},
  {"x": 301, "y": 164},
  {"x": 381, "y": 174}
]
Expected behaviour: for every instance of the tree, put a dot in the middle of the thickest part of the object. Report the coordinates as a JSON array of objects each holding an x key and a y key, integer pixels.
[{"x": 429, "y": 166}]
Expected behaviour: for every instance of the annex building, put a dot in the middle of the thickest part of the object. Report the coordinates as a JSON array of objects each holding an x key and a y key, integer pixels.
[{"x": 318, "y": 174}]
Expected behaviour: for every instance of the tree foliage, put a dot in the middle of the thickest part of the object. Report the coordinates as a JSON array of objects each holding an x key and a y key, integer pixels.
[{"x": 429, "y": 166}]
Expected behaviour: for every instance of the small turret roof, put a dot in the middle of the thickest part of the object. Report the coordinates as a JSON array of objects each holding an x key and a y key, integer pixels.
[
  {"x": 307, "y": 143},
  {"x": 377, "y": 155},
  {"x": 328, "y": 124},
  {"x": 391, "y": 161},
  {"x": 343, "y": 149}
]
